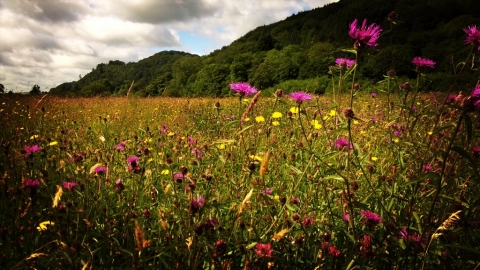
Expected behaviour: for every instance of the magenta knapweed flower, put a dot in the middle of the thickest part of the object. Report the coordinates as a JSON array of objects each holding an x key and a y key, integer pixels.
[
  {"x": 334, "y": 252},
  {"x": 69, "y": 185},
  {"x": 346, "y": 217},
  {"x": 263, "y": 250},
  {"x": 178, "y": 177},
  {"x": 476, "y": 152},
  {"x": 29, "y": 150},
  {"x": 427, "y": 168},
  {"x": 343, "y": 144},
  {"x": 196, "y": 204},
  {"x": 415, "y": 237},
  {"x": 243, "y": 89},
  {"x": 473, "y": 36},
  {"x": 100, "y": 170},
  {"x": 344, "y": 62},
  {"x": 373, "y": 94},
  {"x": 365, "y": 35},
  {"x": 267, "y": 191},
  {"x": 420, "y": 62},
  {"x": 300, "y": 97},
  {"x": 371, "y": 218},
  {"x": 475, "y": 96},
  {"x": 32, "y": 184},
  {"x": 121, "y": 146}
]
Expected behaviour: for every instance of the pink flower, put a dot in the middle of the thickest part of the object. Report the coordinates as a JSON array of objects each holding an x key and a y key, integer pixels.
[
  {"x": 344, "y": 62},
  {"x": 243, "y": 89},
  {"x": 420, "y": 62},
  {"x": 300, "y": 97},
  {"x": 69, "y": 185},
  {"x": 371, "y": 218},
  {"x": 29, "y": 150},
  {"x": 473, "y": 36},
  {"x": 263, "y": 250},
  {"x": 343, "y": 144},
  {"x": 365, "y": 35},
  {"x": 32, "y": 184}
]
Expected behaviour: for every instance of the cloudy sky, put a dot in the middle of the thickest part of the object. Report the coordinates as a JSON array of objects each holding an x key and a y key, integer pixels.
[{"x": 48, "y": 42}]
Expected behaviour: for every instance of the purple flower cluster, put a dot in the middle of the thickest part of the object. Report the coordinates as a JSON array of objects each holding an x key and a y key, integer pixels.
[
  {"x": 300, "y": 97},
  {"x": 475, "y": 96},
  {"x": 133, "y": 165},
  {"x": 365, "y": 35},
  {"x": 243, "y": 89},
  {"x": 32, "y": 184}
]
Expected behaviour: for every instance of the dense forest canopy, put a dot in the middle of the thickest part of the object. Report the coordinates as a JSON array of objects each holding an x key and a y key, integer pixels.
[{"x": 296, "y": 53}]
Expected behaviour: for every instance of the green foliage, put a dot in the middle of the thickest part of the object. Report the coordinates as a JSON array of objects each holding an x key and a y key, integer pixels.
[{"x": 301, "y": 47}]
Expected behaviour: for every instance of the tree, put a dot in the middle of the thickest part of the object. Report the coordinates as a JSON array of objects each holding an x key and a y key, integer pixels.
[
  {"x": 2, "y": 88},
  {"x": 35, "y": 90}
]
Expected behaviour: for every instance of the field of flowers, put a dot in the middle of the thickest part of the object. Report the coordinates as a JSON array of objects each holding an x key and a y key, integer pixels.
[{"x": 358, "y": 180}]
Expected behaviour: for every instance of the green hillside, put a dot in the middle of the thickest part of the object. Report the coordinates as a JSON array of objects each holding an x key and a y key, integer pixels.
[{"x": 295, "y": 54}]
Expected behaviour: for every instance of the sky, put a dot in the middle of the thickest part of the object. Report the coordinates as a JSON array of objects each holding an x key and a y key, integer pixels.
[{"x": 49, "y": 42}]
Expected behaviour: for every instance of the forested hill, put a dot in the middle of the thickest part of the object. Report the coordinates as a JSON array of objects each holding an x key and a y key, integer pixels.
[{"x": 295, "y": 54}]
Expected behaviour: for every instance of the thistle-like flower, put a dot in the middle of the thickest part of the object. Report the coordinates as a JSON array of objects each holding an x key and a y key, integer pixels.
[
  {"x": 473, "y": 36},
  {"x": 365, "y": 35}
]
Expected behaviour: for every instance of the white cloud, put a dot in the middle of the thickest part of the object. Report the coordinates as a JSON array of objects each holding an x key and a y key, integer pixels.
[{"x": 48, "y": 42}]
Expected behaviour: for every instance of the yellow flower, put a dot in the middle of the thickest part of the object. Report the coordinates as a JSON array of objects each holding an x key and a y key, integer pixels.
[
  {"x": 374, "y": 158},
  {"x": 326, "y": 117},
  {"x": 221, "y": 146},
  {"x": 396, "y": 140},
  {"x": 332, "y": 113},
  {"x": 165, "y": 172},
  {"x": 247, "y": 119},
  {"x": 170, "y": 134},
  {"x": 259, "y": 119},
  {"x": 316, "y": 124},
  {"x": 294, "y": 110},
  {"x": 429, "y": 133},
  {"x": 53, "y": 143},
  {"x": 276, "y": 115},
  {"x": 355, "y": 122},
  {"x": 256, "y": 158},
  {"x": 43, "y": 226},
  {"x": 33, "y": 137},
  {"x": 275, "y": 123}
]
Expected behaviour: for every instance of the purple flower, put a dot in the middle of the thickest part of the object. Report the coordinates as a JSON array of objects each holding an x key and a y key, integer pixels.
[
  {"x": 196, "y": 204},
  {"x": 69, "y": 185},
  {"x": 373, "y": 95},
  {"x": 371, "y": 218},
  {"x": 420, "y": 62},
  {"x": 342, "y": 143},
  {"x": 365, "y": 35},
  {"x": 344, "y": 62},
  {"x": 133, "y": 161},
  {"x": 29, "y": 150},
  {"x": 473, "y": 36},
  {"x": 121, "y": 146},
  {"x": 346, "y": 217},
  {"x": 427, "y": 168},
  {"x": 300, "y": 97},
  {"x": 32, "y": 184},
  {"x": 197, "y": 152},
  {"x": 243, "y": 89},
  {"x": 100, "y": 170},
  {"x": 475, "y": 96},
  {"x": 178, "y": 177},
  {"x": 415, "y": 237},
  {"x": 267, "y": 191},
  {"x": 476, "y": 151}
]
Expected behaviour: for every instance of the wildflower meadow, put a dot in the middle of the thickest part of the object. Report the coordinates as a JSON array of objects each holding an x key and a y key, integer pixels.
[{"x": 379, "y": 178}]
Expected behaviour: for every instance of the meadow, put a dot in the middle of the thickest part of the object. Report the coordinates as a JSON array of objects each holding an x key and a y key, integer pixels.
[{"x": 380, "y": 178}]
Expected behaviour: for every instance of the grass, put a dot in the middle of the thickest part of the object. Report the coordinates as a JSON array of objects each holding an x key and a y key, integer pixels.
[{"x": 207, "y": 191}]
